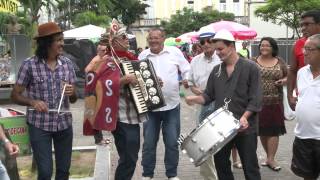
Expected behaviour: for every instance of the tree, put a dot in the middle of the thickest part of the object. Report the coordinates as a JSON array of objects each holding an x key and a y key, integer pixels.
[
  {"x": 187, "y": 20},
  {"x": 4, "y": 18},
  {"x": 89, "y": 17},
  {"x": 70, "y": 9},
  {"x": 128, "y": 11},
  {"x": 286, "y": 12}
]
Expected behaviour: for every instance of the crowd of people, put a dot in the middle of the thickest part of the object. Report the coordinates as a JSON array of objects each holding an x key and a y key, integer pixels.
[{"x": 217, "y": 74}]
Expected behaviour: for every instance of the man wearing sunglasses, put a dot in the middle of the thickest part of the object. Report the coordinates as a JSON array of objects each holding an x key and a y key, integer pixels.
[
  {"x": 310, "y": 25},
  {"x": 201, "y": 67}
]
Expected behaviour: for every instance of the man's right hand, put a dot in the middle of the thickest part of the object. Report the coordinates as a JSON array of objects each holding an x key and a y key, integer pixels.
[
  {"x": 13, "y": 149},
  {"x": 39, "y": 105},
  {"x": 292, "y": 102}
]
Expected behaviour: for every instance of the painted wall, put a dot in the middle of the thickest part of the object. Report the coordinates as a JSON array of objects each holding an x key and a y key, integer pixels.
[{"x": 264, "y": 28}]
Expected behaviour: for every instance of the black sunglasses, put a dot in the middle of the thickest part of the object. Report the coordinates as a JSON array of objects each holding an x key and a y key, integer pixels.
[{"x": 203, "y": 41}]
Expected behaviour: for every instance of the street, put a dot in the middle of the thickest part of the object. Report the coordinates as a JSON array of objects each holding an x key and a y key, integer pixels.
[{"x": 186, "y": 170}]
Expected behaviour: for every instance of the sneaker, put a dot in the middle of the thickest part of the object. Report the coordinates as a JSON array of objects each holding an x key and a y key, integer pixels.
[
  {"x": 146, "y": 178},
  {"x": 174, "y": 178}
]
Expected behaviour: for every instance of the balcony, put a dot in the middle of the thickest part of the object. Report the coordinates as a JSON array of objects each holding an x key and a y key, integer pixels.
[
  {"x": 146, "y": 23},
  {"x": 242, "y": 20}
]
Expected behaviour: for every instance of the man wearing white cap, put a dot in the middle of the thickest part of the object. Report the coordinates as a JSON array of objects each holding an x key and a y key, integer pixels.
[
  {"x": 236, "y": 80},
  {"x": 201, "y": 67}
]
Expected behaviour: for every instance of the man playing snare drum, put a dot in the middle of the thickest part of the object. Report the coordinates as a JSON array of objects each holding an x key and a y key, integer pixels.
[{"x": 236, "y": 80}]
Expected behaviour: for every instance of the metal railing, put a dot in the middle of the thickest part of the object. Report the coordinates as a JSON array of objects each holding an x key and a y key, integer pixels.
[
  {"x": 147, "y": 22},
  {"x": 242, "y": 20},
  {"x": 285, "y": 48}
]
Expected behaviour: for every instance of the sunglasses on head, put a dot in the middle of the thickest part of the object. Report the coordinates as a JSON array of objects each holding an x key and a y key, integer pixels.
[{"x": 203, "y": 41}]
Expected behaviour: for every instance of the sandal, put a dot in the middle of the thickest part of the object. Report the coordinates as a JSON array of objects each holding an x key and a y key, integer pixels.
[
  {"x": 275, "y": 168},
  {"x": 237, "y": 165},
  {"x": 264, "y": 164},
  {"x": 104, "y": 141}
]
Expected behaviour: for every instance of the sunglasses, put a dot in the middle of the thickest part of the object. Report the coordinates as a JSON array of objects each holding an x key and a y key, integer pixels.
[
  {"x": 203, "y": 41},
  {"x": 306, "y": 24},
  {"x": 124, "y": 37}
]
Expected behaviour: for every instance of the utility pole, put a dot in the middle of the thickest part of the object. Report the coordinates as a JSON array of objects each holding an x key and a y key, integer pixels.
[{"x": 69, "y": 16}]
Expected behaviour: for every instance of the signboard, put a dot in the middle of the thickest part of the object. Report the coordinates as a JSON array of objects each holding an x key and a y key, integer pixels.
[
  {"x": 9, "y": 6},
  {"x": 17, "y": 130}
]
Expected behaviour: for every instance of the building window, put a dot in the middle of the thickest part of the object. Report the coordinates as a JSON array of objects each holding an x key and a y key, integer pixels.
[
  {"x": 222, "y": 1},
  {"x": 236, "y": 9},
  {"x": 235, "y": 1},
  {"x": 223, "y": 7}
]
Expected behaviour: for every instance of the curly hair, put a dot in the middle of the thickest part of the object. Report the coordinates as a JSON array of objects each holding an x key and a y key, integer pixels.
[{"x": 43, "y": 45}]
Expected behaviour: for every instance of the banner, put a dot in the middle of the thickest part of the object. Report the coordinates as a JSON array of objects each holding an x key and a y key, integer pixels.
[
  {"x": 9, "y": 6},
  {"x": 17, "y": 130}
]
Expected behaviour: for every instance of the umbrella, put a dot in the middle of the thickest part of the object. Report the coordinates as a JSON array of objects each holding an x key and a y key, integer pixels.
[
  {"x": 239, "y": 31},
  {"x": 189, "y": 37},
  {"x": 171, "y": 41}
]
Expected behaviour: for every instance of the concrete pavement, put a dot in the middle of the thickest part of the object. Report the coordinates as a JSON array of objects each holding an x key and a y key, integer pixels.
[{"x": 186, "y": 170}]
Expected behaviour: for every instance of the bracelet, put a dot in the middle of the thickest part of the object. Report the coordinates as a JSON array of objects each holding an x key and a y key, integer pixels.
[{"x": 5, "y": 141}]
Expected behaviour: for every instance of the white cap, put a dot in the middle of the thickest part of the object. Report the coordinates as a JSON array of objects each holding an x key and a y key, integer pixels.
[{"x": 224, "y": 34}]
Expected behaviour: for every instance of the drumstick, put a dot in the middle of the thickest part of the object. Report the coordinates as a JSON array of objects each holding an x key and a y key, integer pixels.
[
  {"x": 62, "y": 95},
  {"x": 54, "y": 110}
]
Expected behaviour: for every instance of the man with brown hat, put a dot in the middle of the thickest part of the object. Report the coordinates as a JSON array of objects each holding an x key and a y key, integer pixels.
[{"x": 48, "y": 79}]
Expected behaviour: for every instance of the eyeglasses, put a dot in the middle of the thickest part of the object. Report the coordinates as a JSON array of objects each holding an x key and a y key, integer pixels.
[
  {"x": 264, "y": 45},
  {"x": 203, "y": 41},
  {"x": 306, "y": 24},
  {"x": 309, "y": 49}
]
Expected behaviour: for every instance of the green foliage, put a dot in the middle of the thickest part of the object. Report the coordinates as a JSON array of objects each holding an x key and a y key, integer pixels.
[
  {"x": 187, "y": 20},
  {"x": 89, "y": 17},
  {"x": 4, "y": 18},
  {"x": 286, "y": 12},
  {"x": 128, "y": 11}
]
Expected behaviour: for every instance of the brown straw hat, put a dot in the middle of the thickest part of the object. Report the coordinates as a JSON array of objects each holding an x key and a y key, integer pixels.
[{"x": 47, "y": 29}]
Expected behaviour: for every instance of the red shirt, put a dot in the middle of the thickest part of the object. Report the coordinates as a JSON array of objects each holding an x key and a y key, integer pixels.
[{"x": 298, "y": 52}]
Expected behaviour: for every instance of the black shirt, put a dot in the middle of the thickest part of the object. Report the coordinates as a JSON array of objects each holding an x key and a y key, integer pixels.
[{"x": 243, "y": 86}]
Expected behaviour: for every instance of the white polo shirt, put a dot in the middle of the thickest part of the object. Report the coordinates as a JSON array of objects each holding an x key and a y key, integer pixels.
[
  {"x": 166, "y": 64},
  {"x": 201, "y": 67},
  {"x": 308, "y": 105}
]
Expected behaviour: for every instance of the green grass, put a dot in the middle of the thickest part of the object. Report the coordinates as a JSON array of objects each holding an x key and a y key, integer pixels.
[{"x": 82, "y": 165}]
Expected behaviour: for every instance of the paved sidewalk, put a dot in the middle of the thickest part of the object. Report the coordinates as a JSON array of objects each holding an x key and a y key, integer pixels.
[{"x": 186, "y": 170}]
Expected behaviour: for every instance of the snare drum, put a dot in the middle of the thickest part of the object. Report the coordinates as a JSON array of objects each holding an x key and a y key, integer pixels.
[{"x": 210, "y": 136}]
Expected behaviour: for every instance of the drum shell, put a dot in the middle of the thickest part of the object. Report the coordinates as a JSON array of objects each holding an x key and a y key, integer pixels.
[{"x": 210, "y": 136}]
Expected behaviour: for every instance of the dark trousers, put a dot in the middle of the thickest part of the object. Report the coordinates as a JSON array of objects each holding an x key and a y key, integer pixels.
[
  {"x": 41, "y": 143},
  {"x": 127, "y": 141},
  {"x": 247, "y": 147}
]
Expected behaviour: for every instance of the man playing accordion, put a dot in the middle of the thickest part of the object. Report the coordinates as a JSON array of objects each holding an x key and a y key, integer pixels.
[{"x": 108, "y": 104}]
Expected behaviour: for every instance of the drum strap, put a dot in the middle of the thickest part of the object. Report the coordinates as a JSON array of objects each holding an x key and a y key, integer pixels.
[{"x": 236, "y": 74}]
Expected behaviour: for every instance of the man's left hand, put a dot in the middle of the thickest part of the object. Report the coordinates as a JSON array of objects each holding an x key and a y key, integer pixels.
[
  {"x": 244, "y": 124},
  {"x": 69, "y": 91}
]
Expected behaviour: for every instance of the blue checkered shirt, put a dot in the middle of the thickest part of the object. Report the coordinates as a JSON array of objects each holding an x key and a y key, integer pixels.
[{"x": 44, "y": 84}]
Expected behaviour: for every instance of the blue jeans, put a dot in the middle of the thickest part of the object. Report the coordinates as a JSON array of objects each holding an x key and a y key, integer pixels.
[
  {"x": 127, "y": 141},
  {"x": 169, "y": 121},
  {"x": 3, "y": 172},
  {"x": 206, "y": 110},
  {"x": 41, "y": 143}
]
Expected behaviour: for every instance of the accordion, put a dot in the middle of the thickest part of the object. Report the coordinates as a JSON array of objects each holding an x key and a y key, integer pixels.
[{"x": 147, "y": 94}]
